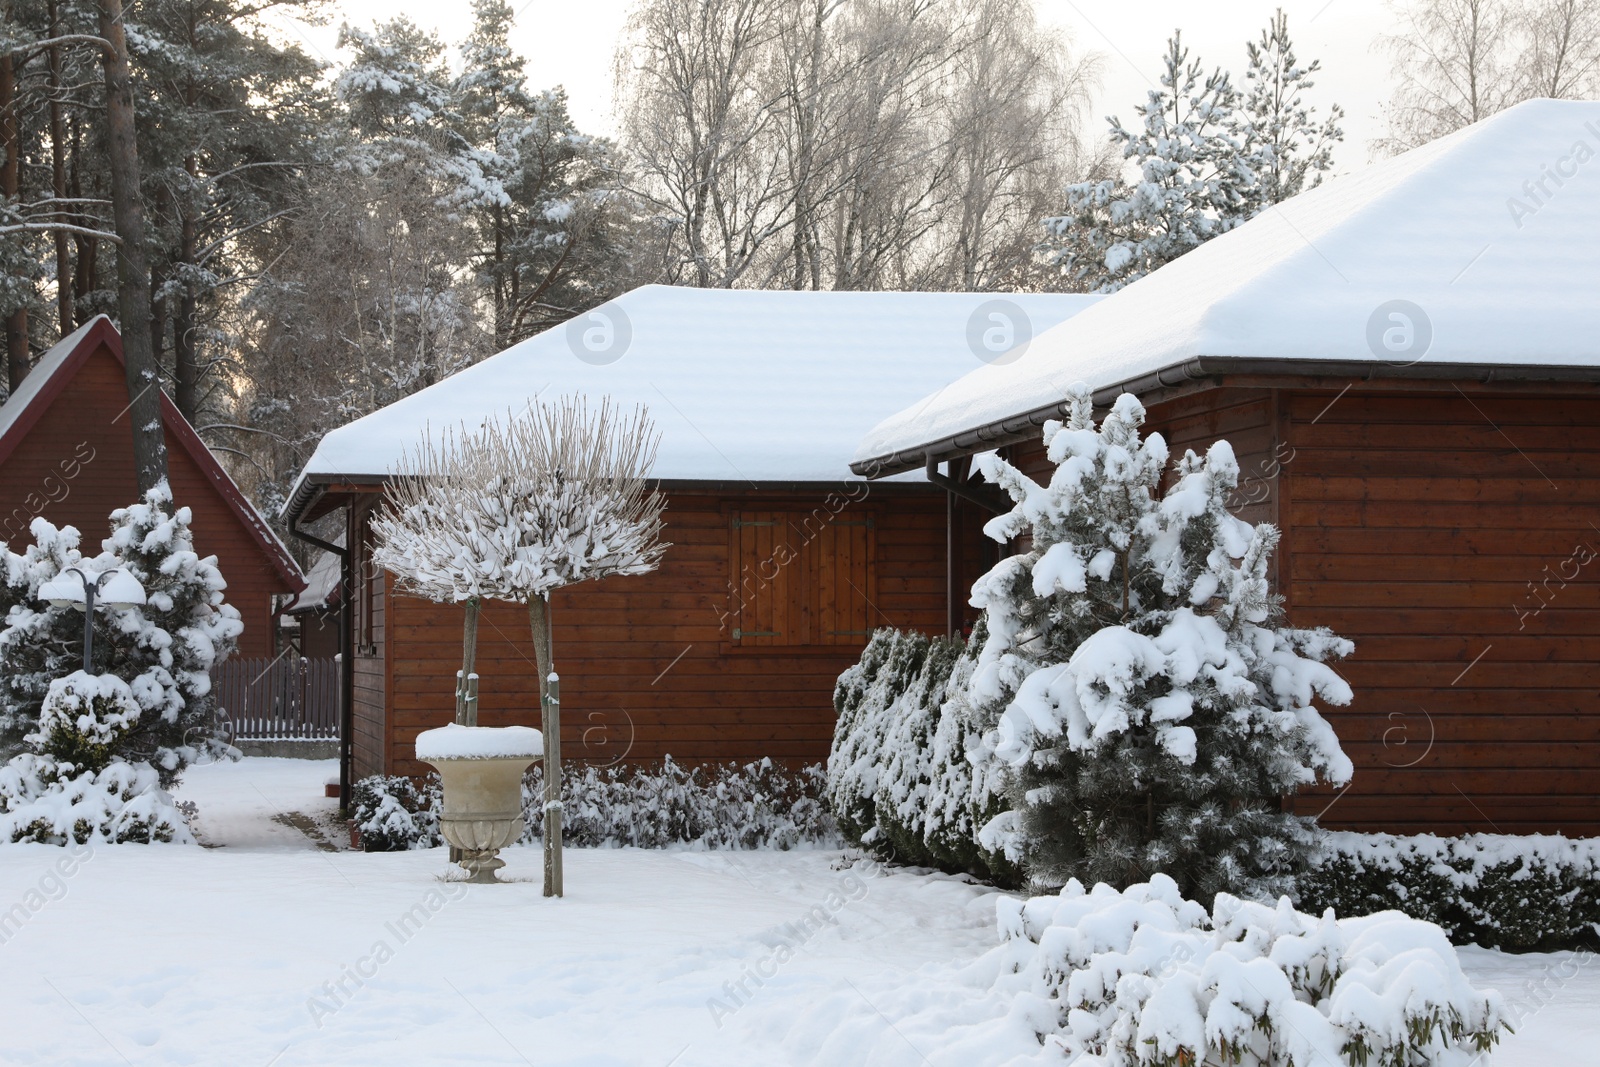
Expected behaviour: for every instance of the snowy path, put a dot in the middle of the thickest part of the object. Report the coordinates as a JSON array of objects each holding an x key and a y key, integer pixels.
[{"x": 268, "y": 950}]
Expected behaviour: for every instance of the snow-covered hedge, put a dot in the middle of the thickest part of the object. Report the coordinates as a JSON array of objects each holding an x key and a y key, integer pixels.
[
  {"x": 1145, "y": 977},
  {"x": 899, "y": 780},
  {"x": 756, "y": 805},
  {"x": 722, "y": 806},
  {"x": 1501, "y": 891}
]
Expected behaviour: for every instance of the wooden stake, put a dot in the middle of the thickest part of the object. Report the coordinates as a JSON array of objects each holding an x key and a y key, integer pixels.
[{"x": 550, "y": 724}]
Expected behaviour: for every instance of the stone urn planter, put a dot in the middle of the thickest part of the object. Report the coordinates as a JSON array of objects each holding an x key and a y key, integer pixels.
[{"x": 481, "y": 770}]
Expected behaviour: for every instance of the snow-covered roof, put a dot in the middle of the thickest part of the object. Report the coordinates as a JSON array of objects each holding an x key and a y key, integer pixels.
[
  {"x": 322, "y": 582},
  {"x": 1491, "y": 232},
  {"x": 745, "y": 386}
]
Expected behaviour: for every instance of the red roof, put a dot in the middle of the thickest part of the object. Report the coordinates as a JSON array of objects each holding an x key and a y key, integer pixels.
[{"x": 56, "y": 369}]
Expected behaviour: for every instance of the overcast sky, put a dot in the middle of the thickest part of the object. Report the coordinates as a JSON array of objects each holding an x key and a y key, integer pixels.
[{"x": 572, "y": 42}]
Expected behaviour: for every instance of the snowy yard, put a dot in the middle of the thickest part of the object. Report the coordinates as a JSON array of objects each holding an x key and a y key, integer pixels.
[{"x": 269, "y": 949}]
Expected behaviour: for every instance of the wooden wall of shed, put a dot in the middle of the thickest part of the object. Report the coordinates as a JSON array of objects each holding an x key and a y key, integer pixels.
[
  {"x": 88, "y": 420},
  {"x": 1453, "y": 536},
  {"x": 370, "y": 718},
  {"x": 646, "y": 663}
]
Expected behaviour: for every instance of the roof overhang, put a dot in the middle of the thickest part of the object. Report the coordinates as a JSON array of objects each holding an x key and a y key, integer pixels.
[{"x": 1208, "y": 372}]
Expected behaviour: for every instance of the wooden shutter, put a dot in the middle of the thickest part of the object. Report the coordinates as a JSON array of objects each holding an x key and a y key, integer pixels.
[
  {"x": 843, "y": 566},
  {"x": 765, "y": 581},
  {"x": 796, "y": 581}
]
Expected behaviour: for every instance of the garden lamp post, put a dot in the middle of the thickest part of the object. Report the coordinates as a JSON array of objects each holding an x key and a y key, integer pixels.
[{"x": 114, "y": 588}]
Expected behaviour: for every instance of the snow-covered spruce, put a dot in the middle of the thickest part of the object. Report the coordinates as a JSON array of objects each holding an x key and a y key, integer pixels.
[
  {"x": 1541, "y": 891},
  {"x": 757, "y": 805},
  {"x": 1145, "y": 978},
  {"x": 899, "y": 781},
  {"x": 1150, "y": 708},
  {"x": 164, "y": 651}
]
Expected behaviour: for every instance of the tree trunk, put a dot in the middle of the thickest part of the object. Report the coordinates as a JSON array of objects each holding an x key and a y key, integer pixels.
[
  {"x": 185, "y": 359},
  {"x": 16, "y": 324},
  {"x": 467, "y": 682},
  {"x": 133, "y": 271},
  {"x": 58, "y": 176},
  {"x": 550, "y": 723}
]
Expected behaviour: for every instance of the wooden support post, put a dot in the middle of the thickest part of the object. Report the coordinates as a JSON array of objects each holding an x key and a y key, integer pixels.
[
  {"x": 550, "y": 724},
  {"x": 553, "y": 880}
]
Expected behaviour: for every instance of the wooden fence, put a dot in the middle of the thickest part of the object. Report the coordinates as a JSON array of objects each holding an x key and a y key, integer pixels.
[{"x": 274, "y": 698}]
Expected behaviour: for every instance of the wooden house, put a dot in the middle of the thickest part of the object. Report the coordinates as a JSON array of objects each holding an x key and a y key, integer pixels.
[
  {"x": 66, "y": 454},
  {"x": 1407, "y": 362},
  {"x": 781, "y": 561}
]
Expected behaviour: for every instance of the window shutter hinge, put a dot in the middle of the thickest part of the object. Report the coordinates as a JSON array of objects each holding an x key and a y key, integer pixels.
[{"x": 738, "y": 633}]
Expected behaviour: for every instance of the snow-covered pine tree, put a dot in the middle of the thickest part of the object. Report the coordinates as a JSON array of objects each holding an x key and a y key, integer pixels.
[
  {"x": 1288, "y": 147},
  {"x": 1191, "y": 184},
  {"x": 164, "y": 651},
  {"x": 167, "y": 649},
  {"x": 1209, "y": 158},
  {"x": 1151, "y": 706}
]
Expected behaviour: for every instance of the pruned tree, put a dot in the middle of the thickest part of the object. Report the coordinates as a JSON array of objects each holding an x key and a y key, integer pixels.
[
  {"x": 428, "y": 536},
  {"x": 527, "y": 505}
]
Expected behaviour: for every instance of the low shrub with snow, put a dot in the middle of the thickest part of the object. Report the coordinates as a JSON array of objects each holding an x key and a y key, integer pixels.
[
  {"x": 52, "y": 803},
  {"x": 755, "y": 805},
  {"x": 899, "y": 781},
  {"x": 394, "y": 813},
  {"x": 1501, "y": 891},
  {"x": 73, "y": 786},
  {"x": 721, "y": 806},
  {"x": 1144, "y": 977}
]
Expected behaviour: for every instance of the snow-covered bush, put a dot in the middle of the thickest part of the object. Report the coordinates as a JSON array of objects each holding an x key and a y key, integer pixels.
[
  {"x": 393, "y": 813},
  {"x": 898, "y": 776},
  {"x": 53, "y": 803},
  {"x": 1502, "y": 891},
  {"x": 1144, "y": 977},
  {"x": 83, "y": 719},
  {"x": 164, "y": 651},
  {"x": 1150, "y": 708},
  {"x": 759, "y": 805}
]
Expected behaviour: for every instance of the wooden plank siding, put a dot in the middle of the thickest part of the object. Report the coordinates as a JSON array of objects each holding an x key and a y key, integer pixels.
[
  {"x": 87, "y": 427},
  {"x": 1454, "y": 540},
  {"x": 373, "y": 658},
  {"x": 648, "y": 664}
]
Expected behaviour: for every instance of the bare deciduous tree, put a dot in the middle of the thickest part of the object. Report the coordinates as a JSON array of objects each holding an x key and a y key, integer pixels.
[
  {"x": 851, "y": 144},
  {"x": 1457, "y": 62}
]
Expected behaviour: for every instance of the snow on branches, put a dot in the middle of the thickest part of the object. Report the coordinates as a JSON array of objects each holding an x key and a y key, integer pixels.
[
  {"x": 1149, "y": 705},
  {"x": 555, "y": 496}
]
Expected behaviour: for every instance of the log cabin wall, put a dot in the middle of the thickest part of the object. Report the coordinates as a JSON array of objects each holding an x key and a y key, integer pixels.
[
  {"x": 75, "y": 466},
  {"x": 648, "y": 664}
]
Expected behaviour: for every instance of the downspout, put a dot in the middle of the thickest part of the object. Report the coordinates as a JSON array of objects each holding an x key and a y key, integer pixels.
[{"x": 347, "y": 636}]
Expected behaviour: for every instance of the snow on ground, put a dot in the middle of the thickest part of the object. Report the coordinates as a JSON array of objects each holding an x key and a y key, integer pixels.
[{"x": 266, "y": 949}]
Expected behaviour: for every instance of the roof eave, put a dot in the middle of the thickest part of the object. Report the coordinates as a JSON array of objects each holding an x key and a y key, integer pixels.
[{"x": 1015, "y": 428}]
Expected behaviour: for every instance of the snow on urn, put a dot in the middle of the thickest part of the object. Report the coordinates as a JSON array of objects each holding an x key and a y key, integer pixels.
[{"x": 481, "y": 770}]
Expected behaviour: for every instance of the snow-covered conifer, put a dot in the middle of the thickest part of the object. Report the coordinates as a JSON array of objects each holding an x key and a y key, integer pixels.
[{"x": 1149, "y": 703}]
